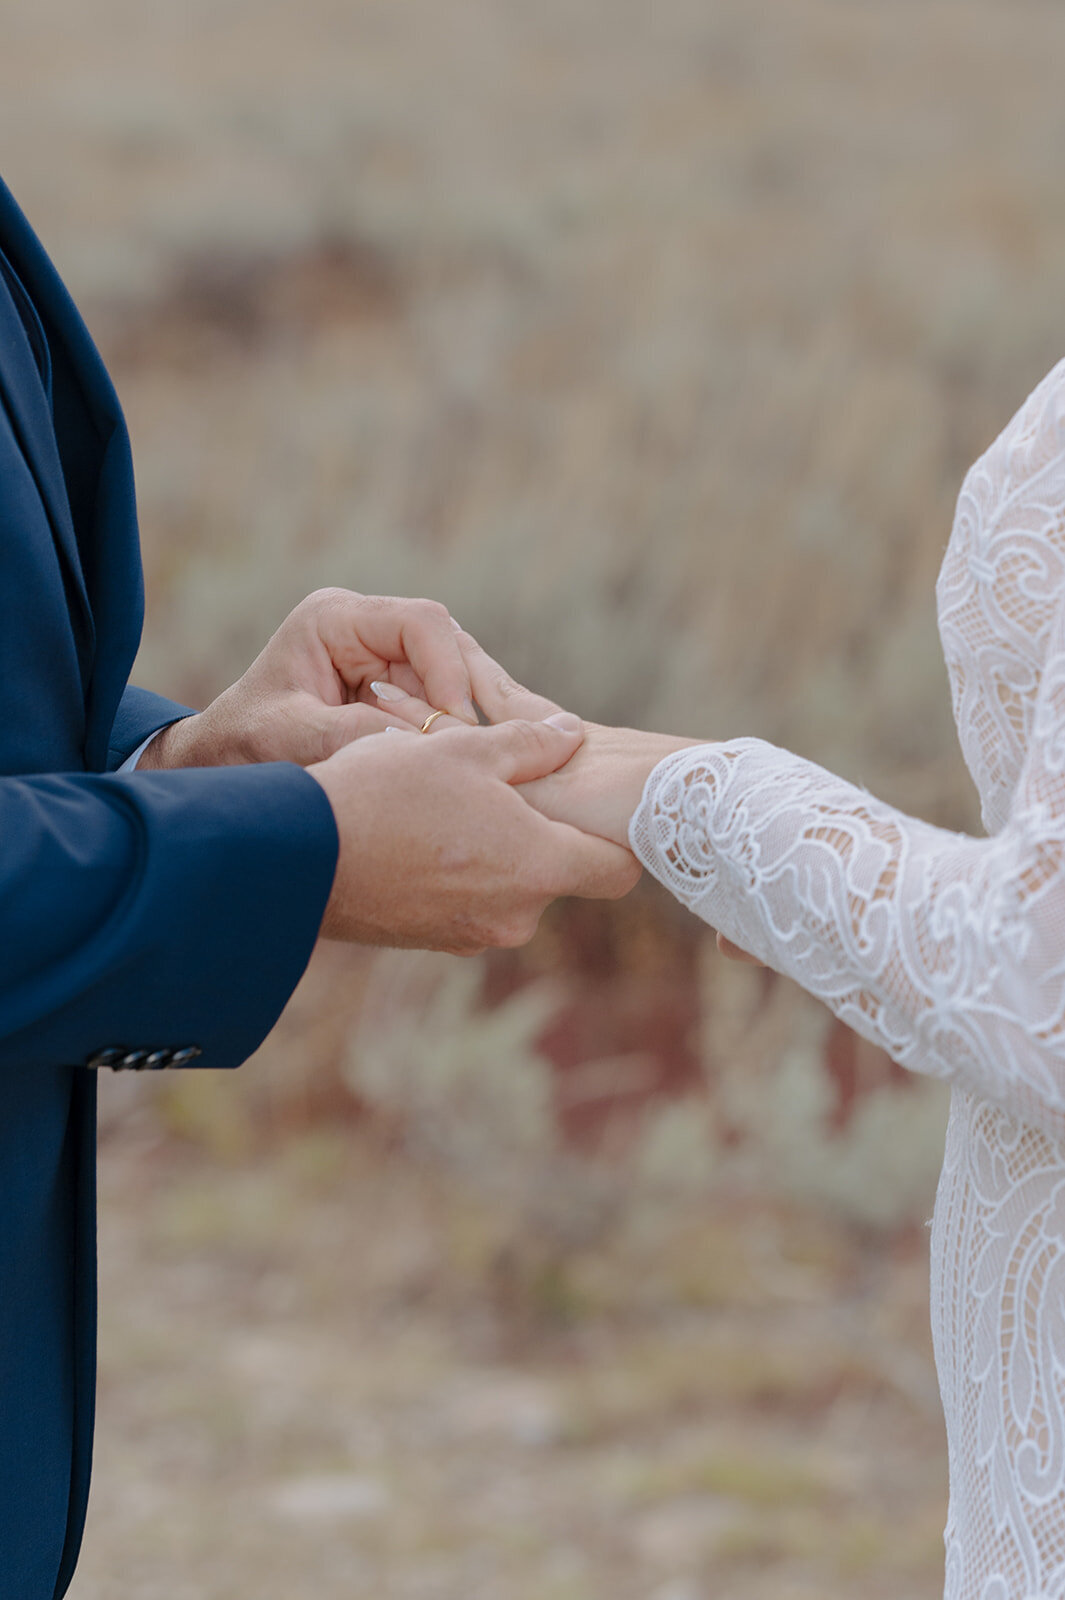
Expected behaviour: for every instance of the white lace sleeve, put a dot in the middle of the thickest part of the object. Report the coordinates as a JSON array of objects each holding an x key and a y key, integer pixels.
[{"x": 948, "y": 951}]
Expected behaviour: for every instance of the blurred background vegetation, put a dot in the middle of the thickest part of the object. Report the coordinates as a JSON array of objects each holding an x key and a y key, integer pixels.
[{"x": 656, "y": 341}]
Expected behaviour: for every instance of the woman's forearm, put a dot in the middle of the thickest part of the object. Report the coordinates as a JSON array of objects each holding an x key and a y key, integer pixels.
[{"x": 925, "y": 941}]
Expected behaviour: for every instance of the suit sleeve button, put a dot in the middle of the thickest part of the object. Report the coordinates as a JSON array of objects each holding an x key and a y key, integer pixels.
[
  {"x": 157, "y": 1060},
  {"x": 182, "y": 1058},
  {"x": 106, "y": 1058},
  {"x": 132, "y": 1061}
]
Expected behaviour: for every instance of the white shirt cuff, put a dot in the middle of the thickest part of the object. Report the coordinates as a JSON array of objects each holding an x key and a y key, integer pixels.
[{"x": 130, "y": 763}]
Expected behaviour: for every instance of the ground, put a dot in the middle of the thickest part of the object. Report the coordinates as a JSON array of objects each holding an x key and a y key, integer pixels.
[{"x": 304, "y": 1391}]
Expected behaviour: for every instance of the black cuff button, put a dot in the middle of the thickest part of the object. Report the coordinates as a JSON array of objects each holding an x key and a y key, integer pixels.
[{"x": 106, "y": 1058}]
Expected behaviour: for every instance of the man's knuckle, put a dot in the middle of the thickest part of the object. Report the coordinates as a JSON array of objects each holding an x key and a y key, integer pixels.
[
  {"x": 539, "y": 879},
  {"x": 516, "y": 928},
  {"x": 471, "y": 932},
  {"x": 329, "y": 598},
  {"x": 505, "y": 686}
]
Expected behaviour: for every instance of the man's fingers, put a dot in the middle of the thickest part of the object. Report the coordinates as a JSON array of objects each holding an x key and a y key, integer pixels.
[
  {"x": 500, "y": 696},
  {"x": 589, "y": 867},
  {"x": 431, "y": 645},
  {"x": 344, "y": 724},
  {"x": 517, "y": 752},
  {"x": 417, "y": 632}
]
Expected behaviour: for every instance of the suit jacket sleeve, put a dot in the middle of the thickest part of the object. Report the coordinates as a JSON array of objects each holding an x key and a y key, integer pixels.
[
  {"x": 155, "y": 911},
  {"x": 140, "y": 713}
]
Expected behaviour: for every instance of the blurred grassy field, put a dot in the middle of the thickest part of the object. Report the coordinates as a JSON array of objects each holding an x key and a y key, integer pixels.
[
  {"x": 316, "y": 1378},
  {"x": 656, "y": 341}
]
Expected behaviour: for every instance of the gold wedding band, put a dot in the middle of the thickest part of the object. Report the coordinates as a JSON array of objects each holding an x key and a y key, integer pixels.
[{"x": 430, "y": 719}]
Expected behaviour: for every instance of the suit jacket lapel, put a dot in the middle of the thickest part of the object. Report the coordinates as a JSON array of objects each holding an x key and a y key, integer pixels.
[
  {"x": 31, "y": 418},
  {"x": 116, "y": 586}
]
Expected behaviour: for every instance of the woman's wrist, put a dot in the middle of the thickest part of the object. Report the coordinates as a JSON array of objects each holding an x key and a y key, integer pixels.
[
  {"x": 601, "y": 788},
  {"x": 649, "y": 750}
]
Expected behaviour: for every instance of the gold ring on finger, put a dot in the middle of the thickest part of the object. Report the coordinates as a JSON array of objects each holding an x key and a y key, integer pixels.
[{"x": 430, "y": 719}]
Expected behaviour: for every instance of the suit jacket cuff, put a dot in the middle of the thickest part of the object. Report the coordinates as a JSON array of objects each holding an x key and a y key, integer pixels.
[
  {"x": 140, "y": 714},
  {"x": 160, "y": 911}
]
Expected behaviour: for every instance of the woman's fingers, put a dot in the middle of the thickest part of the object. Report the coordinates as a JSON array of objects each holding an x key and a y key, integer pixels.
[
  {"x": 734, "y": 953},
  {"x": 409, "y": 708},
  {"x": 403, "y": 676}
]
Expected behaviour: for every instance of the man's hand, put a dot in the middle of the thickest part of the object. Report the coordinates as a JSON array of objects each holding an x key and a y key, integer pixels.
[
  {"x": 597, "y": 790},
  {"x": 438, "y": 849},
  {"x": 308, "y": 693}
]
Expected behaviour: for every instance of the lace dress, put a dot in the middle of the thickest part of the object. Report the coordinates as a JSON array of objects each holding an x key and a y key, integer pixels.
[{"x": 948, "y": 951}]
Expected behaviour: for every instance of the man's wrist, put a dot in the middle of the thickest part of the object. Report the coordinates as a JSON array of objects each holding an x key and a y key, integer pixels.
[{"x": 172, "y": 746}]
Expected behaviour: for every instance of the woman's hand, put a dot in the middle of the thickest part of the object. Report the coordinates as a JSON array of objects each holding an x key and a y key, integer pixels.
[
  {"x": 597, "y": 793},
  {"x": 598, "y": 789}
]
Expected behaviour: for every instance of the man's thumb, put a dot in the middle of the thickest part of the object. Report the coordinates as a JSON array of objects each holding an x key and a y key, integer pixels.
[{"x": 523, "y": 750}]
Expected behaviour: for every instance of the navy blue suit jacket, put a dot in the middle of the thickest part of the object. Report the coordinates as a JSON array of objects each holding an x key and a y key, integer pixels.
[{"x": 140, "y": 914}]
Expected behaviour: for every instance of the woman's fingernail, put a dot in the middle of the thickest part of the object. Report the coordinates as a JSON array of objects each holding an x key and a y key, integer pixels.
[
  {"x": 390, "y": 729},
  {"x": 387, "y": 691},
  {"x": 566, "y": 721},
  {"x": 469, "y": 711},
  {"x": 456, "y": 625}
]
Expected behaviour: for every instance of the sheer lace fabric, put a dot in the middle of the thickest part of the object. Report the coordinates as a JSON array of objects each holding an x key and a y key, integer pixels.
[{"x": 949, "y": 951}]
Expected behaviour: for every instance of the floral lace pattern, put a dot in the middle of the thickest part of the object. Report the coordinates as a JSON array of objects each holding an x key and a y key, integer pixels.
[{"x": 948, "y": 951}]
